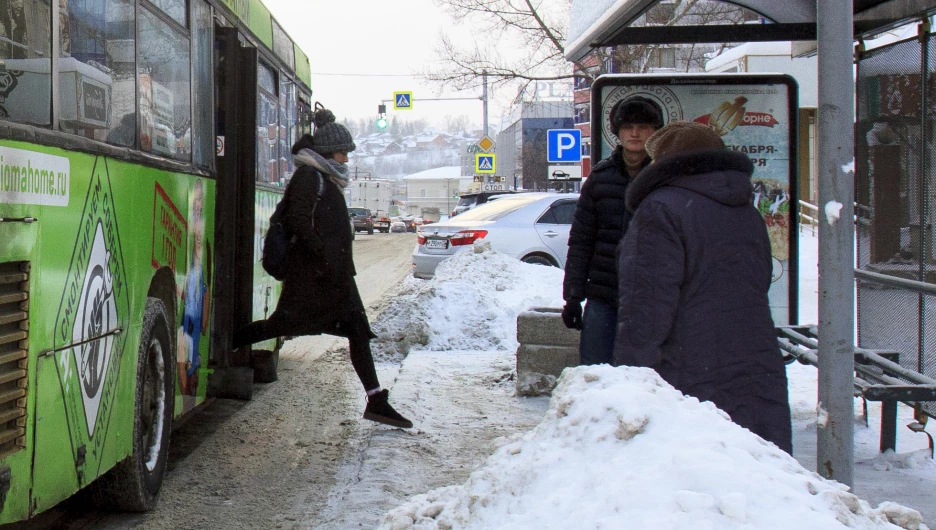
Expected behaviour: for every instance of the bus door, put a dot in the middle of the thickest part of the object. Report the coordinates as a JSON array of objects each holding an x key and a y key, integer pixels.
[{"x": 235, "y": 115}]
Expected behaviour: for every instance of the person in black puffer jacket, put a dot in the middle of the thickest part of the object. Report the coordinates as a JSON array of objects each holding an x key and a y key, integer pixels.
[
  {"x": 319, "y": 292},
  {"x": 695, "y": 269},
  {"x": 599, "y": 222}
]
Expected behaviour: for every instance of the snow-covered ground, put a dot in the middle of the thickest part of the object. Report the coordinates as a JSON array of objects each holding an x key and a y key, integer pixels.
[{"x": 619, "y": 448}]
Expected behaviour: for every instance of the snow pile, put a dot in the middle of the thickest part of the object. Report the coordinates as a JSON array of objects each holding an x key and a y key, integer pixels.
[
  {"x": 472, "y": 303},
  {"x": 621, "y": 448}
]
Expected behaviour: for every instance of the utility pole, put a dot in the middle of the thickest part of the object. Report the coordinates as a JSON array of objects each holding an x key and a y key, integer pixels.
[
  {"x": 484, "y": 96},
  {"x": 835, "y": 455}
]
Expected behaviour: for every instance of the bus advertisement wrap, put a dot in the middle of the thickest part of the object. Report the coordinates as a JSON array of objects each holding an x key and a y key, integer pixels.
[
  {"x": 28, "y": 177},
  {"x": 754, "y": 114}
]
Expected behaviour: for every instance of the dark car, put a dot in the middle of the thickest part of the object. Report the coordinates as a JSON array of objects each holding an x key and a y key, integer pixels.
[
  {"x": 363, "y": 220},
  {"x": 470, "y": 200}
]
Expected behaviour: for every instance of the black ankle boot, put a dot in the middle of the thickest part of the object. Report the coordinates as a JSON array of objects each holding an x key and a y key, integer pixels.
[{"x": 380, "y": 411}]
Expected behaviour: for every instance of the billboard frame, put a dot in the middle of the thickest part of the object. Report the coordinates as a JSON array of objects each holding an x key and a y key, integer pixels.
[{"x": 671, "y": 80}]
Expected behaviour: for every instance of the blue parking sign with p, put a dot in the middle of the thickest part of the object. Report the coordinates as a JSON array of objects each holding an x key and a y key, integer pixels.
[{"x": 563, "y": 145}]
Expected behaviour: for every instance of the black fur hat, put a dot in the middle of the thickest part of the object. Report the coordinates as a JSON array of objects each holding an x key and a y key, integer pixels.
[{"x": 635, "y": 110}]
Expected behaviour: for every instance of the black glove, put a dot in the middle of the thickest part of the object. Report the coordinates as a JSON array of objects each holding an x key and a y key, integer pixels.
[{"x": 572, "y": 314}]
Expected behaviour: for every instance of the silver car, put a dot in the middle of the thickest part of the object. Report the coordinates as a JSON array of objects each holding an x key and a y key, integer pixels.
[{"x": 532, "y": 227}]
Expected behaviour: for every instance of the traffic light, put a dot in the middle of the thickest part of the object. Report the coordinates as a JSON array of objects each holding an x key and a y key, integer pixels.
[{"x": 381, "y": 116}]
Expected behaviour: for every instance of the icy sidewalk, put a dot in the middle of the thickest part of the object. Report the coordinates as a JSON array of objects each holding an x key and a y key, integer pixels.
[{"x": 460, "y": 403}]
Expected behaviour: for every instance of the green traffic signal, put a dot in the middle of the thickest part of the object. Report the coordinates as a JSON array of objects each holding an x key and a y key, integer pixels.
[{"x": 381, "y": 123}]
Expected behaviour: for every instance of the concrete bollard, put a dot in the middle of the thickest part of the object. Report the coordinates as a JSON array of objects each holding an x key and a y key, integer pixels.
[{"x": 546, "y": 348}]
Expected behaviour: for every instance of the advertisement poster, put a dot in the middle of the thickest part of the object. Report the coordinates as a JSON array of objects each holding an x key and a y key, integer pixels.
[{"x": 754, "y": 114}]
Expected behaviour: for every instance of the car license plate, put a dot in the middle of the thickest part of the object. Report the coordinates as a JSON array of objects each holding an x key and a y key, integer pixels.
[
  {"x": 382, "y": 225},
  {"x": 437, "y": 244}
]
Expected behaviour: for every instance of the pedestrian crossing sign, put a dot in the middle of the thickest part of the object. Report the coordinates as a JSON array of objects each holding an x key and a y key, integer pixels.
[
  {"x": 402, "y": 100},
  {"x": 485, "y": 163}
]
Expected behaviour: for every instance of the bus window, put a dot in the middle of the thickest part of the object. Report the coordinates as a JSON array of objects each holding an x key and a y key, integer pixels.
[
  {"x": 203, "y": 140},
  {"x": 305, "y": 117},
  {"x": 287, "y": 131},
  {"x": 165, "y": 85},
  {"x": 97, "y": 71},
  {"x": 25, "y": 64},
  {"x": 267, "y": 126},
  {"x": 283, "y": 46},
  {"x": 174, "y": 8}
]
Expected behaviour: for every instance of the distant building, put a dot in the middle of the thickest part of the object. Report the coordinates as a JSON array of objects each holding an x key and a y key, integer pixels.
[
  {"x": 434, "y": 191},
  {"x": 521, "y": 146}
]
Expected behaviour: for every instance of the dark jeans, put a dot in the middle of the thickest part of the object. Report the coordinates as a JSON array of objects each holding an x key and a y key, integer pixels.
[{"x": 599, "y": 325}]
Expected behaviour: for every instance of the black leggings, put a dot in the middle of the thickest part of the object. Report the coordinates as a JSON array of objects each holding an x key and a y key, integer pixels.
[{"x": 358, "y": 343}]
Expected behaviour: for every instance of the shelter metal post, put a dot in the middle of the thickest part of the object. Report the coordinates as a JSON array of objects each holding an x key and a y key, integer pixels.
[{"x": 835, "y": 435}]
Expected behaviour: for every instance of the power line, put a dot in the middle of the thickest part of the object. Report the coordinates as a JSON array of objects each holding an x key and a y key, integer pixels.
[{"x": 362, "y": 75}]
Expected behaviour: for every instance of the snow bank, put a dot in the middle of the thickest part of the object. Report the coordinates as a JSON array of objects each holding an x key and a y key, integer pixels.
[
  {"x": 472, "y": 304},
  {"x": 620, "y": 448}
]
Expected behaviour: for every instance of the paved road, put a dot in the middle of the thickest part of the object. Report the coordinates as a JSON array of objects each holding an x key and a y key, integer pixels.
[{"x": 270, "y": 462}]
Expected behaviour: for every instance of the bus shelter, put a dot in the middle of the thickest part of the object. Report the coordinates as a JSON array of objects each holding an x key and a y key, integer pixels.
[{"x": 876, "y": 163}]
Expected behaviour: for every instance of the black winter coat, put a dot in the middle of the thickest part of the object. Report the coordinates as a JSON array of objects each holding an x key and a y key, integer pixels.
[
  {"x": 319, "y": 292},
  {"x": 600, "y": 221},
  {"x": 695, "y": 268}
]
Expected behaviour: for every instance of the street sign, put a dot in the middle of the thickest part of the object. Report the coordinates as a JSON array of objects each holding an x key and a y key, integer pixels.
[
  {"x": 402, "y": 100},
  {"x": 485, "y": 162},
  {"x": 485, "y": 143},
  {"x": 564, "y": 173},
  {"x": 563, "y": 145}
]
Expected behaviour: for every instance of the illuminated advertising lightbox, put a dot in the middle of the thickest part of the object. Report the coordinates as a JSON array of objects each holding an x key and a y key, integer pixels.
[{"x": 754, "y": 114}]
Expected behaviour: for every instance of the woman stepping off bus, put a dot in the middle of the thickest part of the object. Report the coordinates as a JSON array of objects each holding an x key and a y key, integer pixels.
[{"x": 319, "y": 293}]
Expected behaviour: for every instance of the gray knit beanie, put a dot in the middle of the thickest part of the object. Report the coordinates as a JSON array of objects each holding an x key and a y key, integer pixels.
[{"x": 330, "y": 136}]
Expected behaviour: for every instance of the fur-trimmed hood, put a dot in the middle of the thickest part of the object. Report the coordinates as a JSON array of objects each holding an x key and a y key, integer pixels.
[{"x": 722, "y": 175}]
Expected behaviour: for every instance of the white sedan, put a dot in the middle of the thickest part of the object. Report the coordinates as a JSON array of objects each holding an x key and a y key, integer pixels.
[{"x": 532, "y": 227}]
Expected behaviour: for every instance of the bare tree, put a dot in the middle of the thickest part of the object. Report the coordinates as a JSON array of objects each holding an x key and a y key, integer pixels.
[
  {"x": 536, "y": 27},
  {"x": 641, "y": 58}
]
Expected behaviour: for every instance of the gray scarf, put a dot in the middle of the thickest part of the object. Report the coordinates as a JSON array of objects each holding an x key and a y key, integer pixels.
[{"x": 335, "y": 171}]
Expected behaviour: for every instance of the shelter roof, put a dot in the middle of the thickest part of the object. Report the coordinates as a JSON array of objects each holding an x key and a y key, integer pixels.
[{"x": 595, "y": 23}]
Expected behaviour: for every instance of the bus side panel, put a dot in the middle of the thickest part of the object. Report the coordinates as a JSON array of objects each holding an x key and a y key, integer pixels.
[
  {"x": 266, "y": 289},
  {"x": 18, "y": 241},
  {"x": 98, "y": 256},
  {"x": 85, "y": 329}
]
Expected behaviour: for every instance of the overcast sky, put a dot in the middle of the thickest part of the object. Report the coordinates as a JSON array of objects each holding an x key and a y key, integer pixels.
[{"x": 379, "y": 38}]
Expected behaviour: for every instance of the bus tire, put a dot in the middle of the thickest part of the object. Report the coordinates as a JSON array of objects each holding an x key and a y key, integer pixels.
[{"x": 133, "y": 485}]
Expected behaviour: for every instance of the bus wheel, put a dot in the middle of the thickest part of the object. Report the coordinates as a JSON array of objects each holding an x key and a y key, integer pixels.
[{"x": 133, "y": 485}]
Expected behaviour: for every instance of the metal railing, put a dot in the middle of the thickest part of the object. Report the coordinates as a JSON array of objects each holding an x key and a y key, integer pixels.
[{"x": 808, "y": 220}]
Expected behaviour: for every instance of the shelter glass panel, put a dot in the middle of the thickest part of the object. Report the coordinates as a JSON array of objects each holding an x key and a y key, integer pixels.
[
  {"x": 97, "y": 81},
  {"x": 165, "y": 89},
  {"x": 25, "y": 62},
  {"x": 894, "y": 184}
]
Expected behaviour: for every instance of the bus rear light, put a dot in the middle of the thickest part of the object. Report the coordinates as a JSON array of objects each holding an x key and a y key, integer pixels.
[{"x": 467, "y": 237}]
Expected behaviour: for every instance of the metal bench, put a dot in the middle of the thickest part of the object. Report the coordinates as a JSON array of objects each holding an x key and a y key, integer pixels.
[{"x": 878, "y": 377}]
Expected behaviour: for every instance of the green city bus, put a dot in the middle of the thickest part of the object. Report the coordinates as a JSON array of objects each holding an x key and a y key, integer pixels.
[{"x": 143, "y": 146}]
